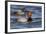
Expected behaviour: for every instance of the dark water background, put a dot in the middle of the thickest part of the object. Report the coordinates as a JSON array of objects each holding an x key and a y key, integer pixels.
[{"x": 36, "y": 17}]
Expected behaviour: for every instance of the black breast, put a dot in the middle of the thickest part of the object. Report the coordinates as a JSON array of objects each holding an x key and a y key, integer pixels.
[{"x": 29, "y": 19}]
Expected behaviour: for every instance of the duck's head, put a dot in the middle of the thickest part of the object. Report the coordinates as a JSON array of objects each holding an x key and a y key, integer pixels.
[{"x": 29, "y": 14}]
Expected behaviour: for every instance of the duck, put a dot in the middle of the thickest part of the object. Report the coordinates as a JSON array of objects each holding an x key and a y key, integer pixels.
[{"x": 23, "y": 19}]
